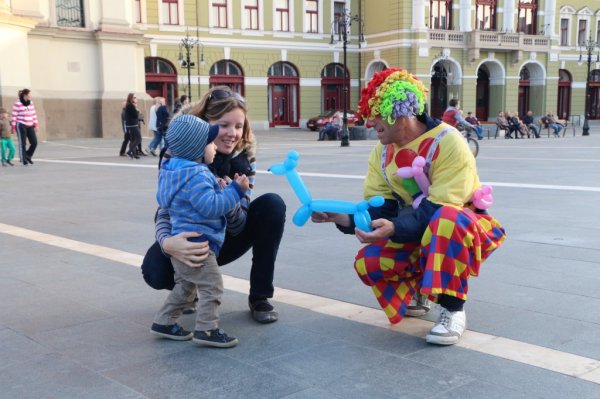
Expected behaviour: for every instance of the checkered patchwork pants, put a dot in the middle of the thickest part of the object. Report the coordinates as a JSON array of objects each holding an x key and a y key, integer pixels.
[{"x": 456, "y": 242}]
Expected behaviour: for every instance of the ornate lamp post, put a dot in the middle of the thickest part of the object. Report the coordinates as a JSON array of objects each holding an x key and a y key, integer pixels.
[
  {"x": 589, "y": 47},
  {"x": 187, "y": 44},
  {"x": 343, "y": 23}
]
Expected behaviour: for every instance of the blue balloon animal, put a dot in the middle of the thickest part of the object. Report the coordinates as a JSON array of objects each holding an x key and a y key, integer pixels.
[{"x": 362, "y": 219}]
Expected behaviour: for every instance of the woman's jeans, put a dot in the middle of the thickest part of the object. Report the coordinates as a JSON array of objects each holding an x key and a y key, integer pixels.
[
  {"x": 262, "y": 233},
  {"x": 157, "y": 141}
]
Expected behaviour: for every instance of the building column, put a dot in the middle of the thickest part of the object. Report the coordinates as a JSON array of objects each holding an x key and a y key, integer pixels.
[
  {"x": 508, "y": 22},
  {"x": 118, "y": 40},
  {"x": 418, "y": 15},
  {"x": 549, "y": 15},
  {"x": 14, "y": 64},
  {"x": 465, "y": 16}
]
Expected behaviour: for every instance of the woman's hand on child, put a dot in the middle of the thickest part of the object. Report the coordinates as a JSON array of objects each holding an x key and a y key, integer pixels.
[{"x": 190, "y": 253}]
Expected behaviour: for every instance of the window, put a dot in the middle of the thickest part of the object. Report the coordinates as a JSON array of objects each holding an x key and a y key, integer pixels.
[
  {"x": 137, "y": 12},
  {"x": 229, "y": 73},
  {"x": 312, "y": 16},
  {"x": 564, "y": 31},
  {"x": 282, "y": 15},
  {"x": 527, "y": 17},
  {"x": 69, "y": 13},
  {"x": 251, "y": 14},
  {"x": 485, "y": 14},
  {"x": 440, "y": 14},
  {"x": 282, "y": 69},
  {"x": 219, "y": 10},
  {"x": 339, "y": 9},
  {"x": 581, "y": 34},
  {"x": 170, "y": 10}
]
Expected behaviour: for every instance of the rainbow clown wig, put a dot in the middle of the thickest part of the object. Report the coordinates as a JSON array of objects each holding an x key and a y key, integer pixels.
[{"x": 392, "y": 93}]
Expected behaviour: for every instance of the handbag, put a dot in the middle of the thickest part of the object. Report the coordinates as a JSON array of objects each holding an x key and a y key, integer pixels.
[{"x": 157, "y": 269}]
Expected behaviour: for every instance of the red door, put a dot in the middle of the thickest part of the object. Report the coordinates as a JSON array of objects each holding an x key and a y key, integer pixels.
[
  {"x": 332, "y": 95},
  {"x": 280, "y": 105},
  {"x": 482, "y": 96},
  {"x": 523, "y": 100}
]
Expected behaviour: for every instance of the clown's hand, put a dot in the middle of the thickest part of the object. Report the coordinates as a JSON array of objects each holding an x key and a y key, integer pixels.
[
  {"x": 382, "y": 230},
  {"x": 330, "y": 217}
]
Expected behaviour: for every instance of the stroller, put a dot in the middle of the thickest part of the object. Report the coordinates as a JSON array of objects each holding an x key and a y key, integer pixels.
[{"x": 330, "y": 131}]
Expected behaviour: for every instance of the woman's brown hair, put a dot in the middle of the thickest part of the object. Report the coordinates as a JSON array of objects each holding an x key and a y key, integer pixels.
[{"x": 212, "y": 108}]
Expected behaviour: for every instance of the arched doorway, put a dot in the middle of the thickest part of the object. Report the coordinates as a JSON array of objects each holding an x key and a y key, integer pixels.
[
  {"x": 161, "y": 79},
  {"x": 524, "y": 82},
  {"x": 228, "y": 73},
  {"x": 482, "y": 94},
  {"x": 532, "y": 89},
  {"x": 332, "y": 87},
  {"x": 594, "y": 104},
  {"x": 284, "y": 93},
  {"x": 563, "y": 110},
  {"x": 439, "y": 90}
]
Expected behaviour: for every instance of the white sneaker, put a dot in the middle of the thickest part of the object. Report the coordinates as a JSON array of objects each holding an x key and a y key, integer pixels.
[
  {"x": 419, "y": 306},
  {"x": 449, "y": 328}
]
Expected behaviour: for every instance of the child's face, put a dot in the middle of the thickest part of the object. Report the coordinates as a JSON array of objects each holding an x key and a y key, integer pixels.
[{"x": 209, "y": 153}]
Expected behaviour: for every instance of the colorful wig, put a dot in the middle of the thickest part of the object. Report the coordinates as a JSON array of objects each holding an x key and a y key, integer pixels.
[{"x": 392, "y": 93}]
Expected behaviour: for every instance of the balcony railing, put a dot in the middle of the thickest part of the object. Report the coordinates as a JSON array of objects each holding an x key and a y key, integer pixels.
[{"x": 488, "y": 40}]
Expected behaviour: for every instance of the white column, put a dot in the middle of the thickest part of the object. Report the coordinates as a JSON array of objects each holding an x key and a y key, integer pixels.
[
  {"x": 550, "y": 13},
  {"x": 418, "y": 14},
  {"x": 508, "y": 23},
  {"x": 465, "y": 15}
]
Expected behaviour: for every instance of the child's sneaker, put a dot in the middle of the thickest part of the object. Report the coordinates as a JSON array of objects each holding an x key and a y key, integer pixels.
[
  {"x": 174, "y": 332},
  {"x": 217, "y": 338},
  {"x": 10, "y": 163}
]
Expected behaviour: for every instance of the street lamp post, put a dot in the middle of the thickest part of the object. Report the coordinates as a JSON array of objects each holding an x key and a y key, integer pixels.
[
  {"x": 187, "y": 44},
  {"x": 589, "y": 47},
  {"x": 344, "y": 22}
]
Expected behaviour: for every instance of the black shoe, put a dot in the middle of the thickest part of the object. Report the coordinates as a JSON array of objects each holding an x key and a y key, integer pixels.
[
  {"x": 10, "y": 163},
  {"x": 174, "y": 332},
  {"x": 130, "y": 154},
  {"x": 122, "y": 154},
  {"x": 262, "y": 311},
  {"x": 216, "y": 338},
  {"x": 28, "y": 159}
]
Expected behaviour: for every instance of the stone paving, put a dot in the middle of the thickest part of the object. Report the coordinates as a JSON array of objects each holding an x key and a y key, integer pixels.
[{"x": 75, "y": 325}]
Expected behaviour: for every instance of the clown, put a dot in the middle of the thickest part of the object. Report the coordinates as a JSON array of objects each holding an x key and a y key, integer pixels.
[{"x": 429, "y": 251}]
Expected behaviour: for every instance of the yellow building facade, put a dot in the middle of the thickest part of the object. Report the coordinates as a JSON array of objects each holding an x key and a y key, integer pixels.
[{"x": 82, "y": 57}]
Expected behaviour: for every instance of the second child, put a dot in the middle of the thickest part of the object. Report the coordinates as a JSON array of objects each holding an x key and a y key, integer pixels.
[
  {"x": 8, "y": 147},
  {"x": 196, "y": 202}
]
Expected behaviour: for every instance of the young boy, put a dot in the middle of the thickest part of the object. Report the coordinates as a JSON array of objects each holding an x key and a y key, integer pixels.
[
  {"x": 7, "y": 141},
  {"x": 195, "y": 202}
]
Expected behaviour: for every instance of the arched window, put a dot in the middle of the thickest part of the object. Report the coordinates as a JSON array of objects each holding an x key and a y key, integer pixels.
[
  {"x": 485, "y": 15},
  {"x": 524, "y": 83},
  {"x": 527, "y": 22},
  {"x": 332, "y": 87},
  {"x": 228, "y": 73},
  {"x": 564, "y": 94},
  {"x": 161, "y": 79},
  {"x": 440, "y": 14}
]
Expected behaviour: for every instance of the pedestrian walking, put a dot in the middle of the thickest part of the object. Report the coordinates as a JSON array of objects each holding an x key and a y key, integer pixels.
[{"x": 25, "y": 123}]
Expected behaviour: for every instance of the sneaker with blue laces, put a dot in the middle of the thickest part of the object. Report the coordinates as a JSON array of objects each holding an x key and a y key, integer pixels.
[
  {"x": 173, "y": 331},
  {"x": 216, "y": 338}
]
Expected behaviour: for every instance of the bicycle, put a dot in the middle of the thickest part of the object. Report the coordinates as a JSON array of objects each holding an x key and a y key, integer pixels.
[{"x": 471, "y": 142}]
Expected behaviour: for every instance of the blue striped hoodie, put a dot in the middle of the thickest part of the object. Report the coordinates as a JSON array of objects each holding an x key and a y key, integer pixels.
[{"x": 195, "y": 201}]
